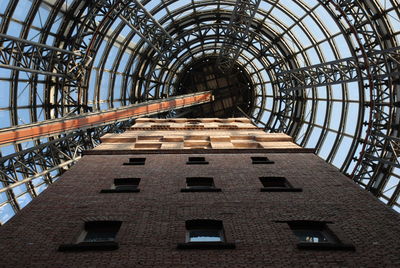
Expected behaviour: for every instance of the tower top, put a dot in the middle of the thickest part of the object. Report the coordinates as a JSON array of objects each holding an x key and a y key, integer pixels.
[{"x": 195, "y": 133}]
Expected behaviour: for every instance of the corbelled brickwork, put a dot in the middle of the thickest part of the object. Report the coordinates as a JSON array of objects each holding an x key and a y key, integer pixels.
[
  {"x": 153, "y": 220},
  {"x": 181, "y": 133}
]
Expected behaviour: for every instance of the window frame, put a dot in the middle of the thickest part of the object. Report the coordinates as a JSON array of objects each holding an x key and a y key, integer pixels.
[
  {"x": 220, "y": 232},
  {"x": 135, "y": 161},
  {"x": 285, "y": 187},
  {"x": 261, "y": 160},
  {"x": 131, "y": 186},
  {"x": 203, "y": 225},
  {"x": 197, "y": 160},
  {"x": 335, "y": 239},
  {"x": 200, "y": 188},
  {"x": 91, "y": 226}
]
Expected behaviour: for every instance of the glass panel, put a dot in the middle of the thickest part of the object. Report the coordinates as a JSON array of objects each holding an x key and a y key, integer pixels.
[
  {"x": 125, "y": 187},
  {"x": 205, "y": 236},
  {"x": 311, "y": 236},
  {"x": 6, "y": 212},
  {"x": 99, "y": 236}
]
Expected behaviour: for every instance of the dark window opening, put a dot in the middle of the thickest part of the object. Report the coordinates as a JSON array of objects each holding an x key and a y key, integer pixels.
[
  {"x": 101, "y": 231},
  {"x": 200, "y": 184},
  {"x": 261, "y": 160},
  {"x": 316, "y": 235},
  {"x": 274, "y": 182},
  {"x": 136, "y": 161},
  {"x": 98, "y": 235},
  {"x": 124, "y": 185},
  {"x": 197, "y": 161},
  {"x": 206, "y": 234},
  {"x": 277, "y": 184}
]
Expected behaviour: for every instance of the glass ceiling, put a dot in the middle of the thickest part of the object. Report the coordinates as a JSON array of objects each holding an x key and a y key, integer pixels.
[{"x": 124, "y": 66}]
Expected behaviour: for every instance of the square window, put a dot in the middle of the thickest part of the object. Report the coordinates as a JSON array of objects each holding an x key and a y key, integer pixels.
[
  {"x": 204, "y": 231},
  {"x": 207, "y": 234},
  {"x": 204, "y": 235},
  {"x": 124, "y": 185},
  {"x": 136, "y": 161},
  {"x": 277, "y": 184},
  {"x": 274, "y": 182},
  {"x": 98, "y": 235},
  {"x": 316, "y": 235},
  {"x": 101, "y": 231},
  {"x": 200, "y": 184},
  {"x": 261, "y": 160},
  {"x": 195, "y": 160},
  {"x": 312, "y": 232}
]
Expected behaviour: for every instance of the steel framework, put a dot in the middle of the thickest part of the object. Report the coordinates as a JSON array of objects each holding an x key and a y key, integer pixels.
[
  {"x": 341, "y": 71},
  {"x": 47, "y": 161},
  {"x": 236, "y": 32},
  {"x": 325, "y": 72},
  {"x": 66, "y": 68}
]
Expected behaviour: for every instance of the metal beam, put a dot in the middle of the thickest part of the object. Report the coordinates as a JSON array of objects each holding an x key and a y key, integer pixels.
[
  {"x": 236, "y": 33},
  {"x": 66, "y": 68},
  {"x": 151, "y": 31},
  {"x": 29, "y": 56},
  {"x": 136, "y": 16},
  {"x": 378, "y": 76},
  {"x": 338, "y": 71},
  {"x": 46, "y": 162},
  {"x": 95, "y": 119}
]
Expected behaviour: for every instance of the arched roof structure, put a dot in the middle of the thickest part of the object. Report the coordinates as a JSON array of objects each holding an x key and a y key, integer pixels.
[{"x": 323, "y": 71}]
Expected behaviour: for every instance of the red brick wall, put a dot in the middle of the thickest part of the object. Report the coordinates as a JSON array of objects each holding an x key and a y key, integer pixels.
[{"x": 154, "y": 219}]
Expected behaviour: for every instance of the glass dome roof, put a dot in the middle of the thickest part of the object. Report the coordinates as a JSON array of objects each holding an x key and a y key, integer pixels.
[{"x": 323, "y": 71}]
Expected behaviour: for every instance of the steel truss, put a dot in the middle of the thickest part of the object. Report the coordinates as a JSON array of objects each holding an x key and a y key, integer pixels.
[
  {"x": 66, "y": 67},
  {"x": 379, "y": 67},
  {"x": 237, "y": 30},
  {"x": 139, "y": 19},
  {"x": 340, "y": 71},
  {"x": 162, "y": 56},
  {"x": 49, "y": 160},
  {"x": 287, "y": 113}
]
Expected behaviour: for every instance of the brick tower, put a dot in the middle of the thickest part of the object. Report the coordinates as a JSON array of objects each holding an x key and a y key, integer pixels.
[{"x": 202, "y": 193}]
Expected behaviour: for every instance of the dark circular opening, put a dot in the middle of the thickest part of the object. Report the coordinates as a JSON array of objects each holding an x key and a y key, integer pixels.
[{"x": 233, "y": 90}]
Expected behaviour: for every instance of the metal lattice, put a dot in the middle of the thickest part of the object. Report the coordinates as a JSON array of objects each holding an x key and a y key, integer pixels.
[{"x": 325, "y": 72}]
